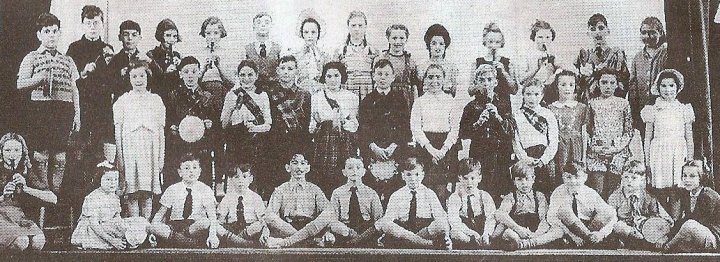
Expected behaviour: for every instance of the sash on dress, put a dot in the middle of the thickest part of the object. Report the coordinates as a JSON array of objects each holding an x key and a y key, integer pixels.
[
  {"x": 535, "y": 119},
  {"x": 244, "y": 99}
]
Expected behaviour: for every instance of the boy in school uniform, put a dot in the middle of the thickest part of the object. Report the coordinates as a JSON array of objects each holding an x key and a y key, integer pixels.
[
  {"x": 54, "y": 107},
  {"x": 350, "y": 217},
  {"x": 634, "y": 204},
  {"x": 585, "y": 218},
  {"x": 471, "y": 211},
  {"x": 522, "y": 213},
  {"x": 384, "y": 179},
  {"x": 264, "y": 52},
  {"x": 295, "y": 204},
  {"x": 116, "y": 73},
  {"x": 415, "y": 217},
  {"x": 241, "y": 212},
  {"x": 190, "y": 205},
  {"x": 599, "y": 56}
]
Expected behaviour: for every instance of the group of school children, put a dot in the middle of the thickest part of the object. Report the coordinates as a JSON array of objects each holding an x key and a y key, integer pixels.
[{"x": 403, "y": 161}]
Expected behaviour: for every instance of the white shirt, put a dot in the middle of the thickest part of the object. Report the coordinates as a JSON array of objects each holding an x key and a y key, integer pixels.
[
  {"x": 428, "y": 204},
  {"x": 203, "y": 200},
  {"x": 527, "y": 136},
  {"x": 589, "y": 203},
  {"x": 435, "y": 113},
  {"x": 321, "y": 110}
]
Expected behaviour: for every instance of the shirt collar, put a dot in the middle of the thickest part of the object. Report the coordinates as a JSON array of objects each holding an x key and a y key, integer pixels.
[
  {"x": 42, "y": 49},
  {"x": 696, "y": 194},
  {"x": 568, "y": 104}
]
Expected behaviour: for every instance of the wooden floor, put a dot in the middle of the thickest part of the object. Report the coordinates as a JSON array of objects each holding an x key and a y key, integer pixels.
[{"x": 340, "y": 254}]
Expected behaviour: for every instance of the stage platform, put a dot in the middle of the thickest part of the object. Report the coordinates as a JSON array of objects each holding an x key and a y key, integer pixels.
[{"x": 345, "y": 254}]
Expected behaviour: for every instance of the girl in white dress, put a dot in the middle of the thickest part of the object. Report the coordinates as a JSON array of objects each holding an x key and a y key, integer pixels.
[
  {"x": 668, "y": 131},
  {"x": 140, "y": 137}
]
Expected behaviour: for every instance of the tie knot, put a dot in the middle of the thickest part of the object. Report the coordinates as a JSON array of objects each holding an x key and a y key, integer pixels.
[
  {"x": 262, "y": 45},
  {"x": 413, "y": 192},
  {"x": 50, "y": 52},
  {"x": 240, "y": 199},
  {"x": 189, "y": 191}
]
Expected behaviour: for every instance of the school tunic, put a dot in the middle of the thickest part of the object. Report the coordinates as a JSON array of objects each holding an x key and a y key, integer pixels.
[{"x": 358, "y": 59}]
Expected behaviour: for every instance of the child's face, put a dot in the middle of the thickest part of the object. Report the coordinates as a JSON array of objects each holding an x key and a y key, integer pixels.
[
  {"x": 668, "y": 88},
  {"x": 691, "y": 178},
  {"x": 437, "y": 46},
  {"x": 574, "y": 181},
  {"x": 486, "y": 80},
  {"x": 632, "y": 181},
  {"x": 108, "y": 53},
  {"x": 12, "y": 151},
  {"x": 397, "y": 40},
  {"x": 383, "y": 76},
  {"x": 532, "y": 95},
  {"x": 49, "y": 36},
  {"x": 650, "y": 35},
  {"x": 608, "y": 84},
  {"x": 138, "y": 78},
  {"x": 471, "y": 180},
  {"x": 262, "y": 25},
  {"x": 170, "y": 37},
  {"x": 190, "y": 171},
  {"x": 543, "y": 38},
  {"x": 247, "y": 76},
  {"x": 333, "y": 79},
  {"x": 109, "y": 182},
  {"x": 287, "y": 72},
  {"x": 524, "y": 184},
  {"x": 92, "y": 27},
  {"x": 130, "y": 39},
  {"x": 413, "y": 178},
  {"x": 357, "y": 27},
  {"x": 310, "y": 33},
  {"x": 434, "y": 80},
  {"x": 298, "y": 167},
  {"x": 494, "y": 40},
  {"x": 242, "y": 180},
  {"x": 598, "y": 33},
  {"x": 213, "y": 33},
  {"x": 190, "y": 74},
  {"x": 354, "y": 170},
  {"x": 566, "y": 86}
]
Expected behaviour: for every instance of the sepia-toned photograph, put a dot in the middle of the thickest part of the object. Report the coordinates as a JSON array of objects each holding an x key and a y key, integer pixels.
[{"x": 345, "y": 130}]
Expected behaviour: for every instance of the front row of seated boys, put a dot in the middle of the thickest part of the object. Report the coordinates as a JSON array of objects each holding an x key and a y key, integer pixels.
[{"x": 299, "y": 215}]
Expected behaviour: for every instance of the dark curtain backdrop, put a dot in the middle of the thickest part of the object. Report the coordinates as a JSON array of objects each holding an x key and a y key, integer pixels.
[{"x": 17, "y": 38}]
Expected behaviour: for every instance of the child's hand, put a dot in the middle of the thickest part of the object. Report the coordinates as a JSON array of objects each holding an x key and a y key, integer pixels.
[
  {"x": 76, "y": 123},
  {"x": 171, "y": 68},
  {"x": 89, "y": 68},
  {"x": 19, "y": 180},
  {"x": 213, "y": 242},
  {"x": 208, "y": 123},
  {"x": 485, "y": 239},
  {"x": 379, "y": 152},
  {"x": 9, "y": 189},
  {"x": 118, "y": 244},
  {"x": 524, "y": 233},
  {"x": 328, "y": 239},
  {"x": 596, "y": 237},
  {"x": 587, "y": 69}
]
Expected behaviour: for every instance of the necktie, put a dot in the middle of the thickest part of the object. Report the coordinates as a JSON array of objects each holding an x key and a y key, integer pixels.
[
  {"x": 50, "y": 52},
  {"x": 470, "y": 211},
  {"x": 634, "y": 210},
  {"x": 575, "y": 204},
  {"x": 598, "y": 52},
  {"x": 187, "y": 207},
  {"x": 263, "y": 50},
  {"x": 240, "y": 211},
  {"x": 413, "y": 207},
  {"x": 354, "y": 214}
]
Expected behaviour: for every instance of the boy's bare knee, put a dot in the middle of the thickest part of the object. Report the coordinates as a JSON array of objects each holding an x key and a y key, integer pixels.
[
  {"x": 21, "y": 243},
  {"x": 37, "y": 242}
]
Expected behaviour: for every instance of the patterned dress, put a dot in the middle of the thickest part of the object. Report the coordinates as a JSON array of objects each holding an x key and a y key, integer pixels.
[
  {"x": 572, "y": 116},
  {"x": 610, "y": 124}
]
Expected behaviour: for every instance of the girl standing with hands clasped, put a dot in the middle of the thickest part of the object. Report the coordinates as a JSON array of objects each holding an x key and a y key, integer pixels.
[
  {"x": 140, "y": 138},
  {"x": 610, "y": 129},
  {"x": 21, "y": 182},
  {"x": 668, "y": 131},
  {"x": 435, "y": 125},
  {"x": 572, "y": 121},
  {"x": 246, "y": 119},
  {"x": 334, "y": 122}
]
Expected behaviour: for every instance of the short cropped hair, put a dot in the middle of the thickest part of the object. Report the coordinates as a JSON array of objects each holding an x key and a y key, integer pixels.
[
  {"x": 90, "y": 12},
  {"x": 188, "y": 157},
  {"x": 45, "y": 20},
  {"x": 235, "y": 167},
  {"x": 409, "y": 164},
  {"x": 522, "y": 169},
  {"x": 596, "y": 18},
  {"x": 541, "y": 25},
  {"x": 468, "y": 165},
  {"x": 383, "y": 62}
]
